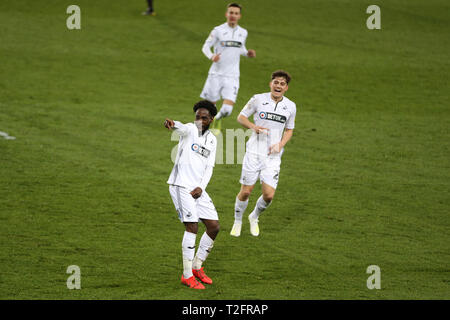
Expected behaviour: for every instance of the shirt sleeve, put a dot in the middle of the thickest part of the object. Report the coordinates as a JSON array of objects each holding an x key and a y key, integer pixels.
[
  {"x": 182, "y": 129},
  {"x": 206, "y": 177},
  {"x": 212, "y": 156},
  {"x": 250, "y": 107},
  {"x": 210, "y": 42},
  {"x": 209, "y": 166},
  {"x": 244, "y": 50},
  {"x": 290, "y": 123}
]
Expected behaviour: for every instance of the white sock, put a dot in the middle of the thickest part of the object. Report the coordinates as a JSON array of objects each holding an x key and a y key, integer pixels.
[
  {"x": 239, "y": 209},
  {"x": 261, "y": 205},
  {"x": 188, "y": 248},
  {"x": 204, "y": 249},
  {"x": 225, "y": 111}
]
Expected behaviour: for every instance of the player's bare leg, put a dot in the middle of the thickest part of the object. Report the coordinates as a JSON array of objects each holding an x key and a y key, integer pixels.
[
  {"x": 212, "y": 228},
  {"x": 239, "y": 208},
  {"x": 204, "y": 249},
  {"x": 245, "y": 192},
  {"x": 262, "y": 203},
  {"x": 268, "y": 192},
  {"x": 191, "y": 227}
]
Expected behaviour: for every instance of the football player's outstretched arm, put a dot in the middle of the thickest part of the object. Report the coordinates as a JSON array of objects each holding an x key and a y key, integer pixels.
[
  {"x": 181, "y": 128},
  {"x": 169, "y": 124}
]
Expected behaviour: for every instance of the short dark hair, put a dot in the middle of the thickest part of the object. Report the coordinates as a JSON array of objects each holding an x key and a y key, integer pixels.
[
  {"x": 235, "y": 5},
  {"x": 208, "y": 105},
  {"x": 283, "y": 74}
]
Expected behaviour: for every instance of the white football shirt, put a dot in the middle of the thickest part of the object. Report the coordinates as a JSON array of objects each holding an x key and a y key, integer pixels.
[
  {"x": 196, "y": 152},
  {"x": 275, "y": 116},
  {"x": 230, "y": 43}
]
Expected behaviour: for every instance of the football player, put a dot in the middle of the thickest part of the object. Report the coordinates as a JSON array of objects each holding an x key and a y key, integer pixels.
[
  {"x": 188, "y": 180},
  {"x": 273, "y": 126},
  {"x": 228, "y": 41}
]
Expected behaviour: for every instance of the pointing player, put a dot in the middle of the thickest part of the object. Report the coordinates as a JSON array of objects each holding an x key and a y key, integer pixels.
[
  {"x": 188, "y": 180},
  {"x": 274, "y": 120},
  {"x": 228, "y": 41}
]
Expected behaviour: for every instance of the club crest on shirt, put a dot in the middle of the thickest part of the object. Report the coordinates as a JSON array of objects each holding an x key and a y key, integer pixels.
[
  {"x": 236, "y": 44},
  {"x": 200, "y": 150},
  {"x": 272, "y": 116}
]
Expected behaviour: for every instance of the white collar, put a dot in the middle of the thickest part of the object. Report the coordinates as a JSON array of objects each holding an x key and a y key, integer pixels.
[
  {"x": 235, "y": 27},
  {"x": 273, "y": 101}
]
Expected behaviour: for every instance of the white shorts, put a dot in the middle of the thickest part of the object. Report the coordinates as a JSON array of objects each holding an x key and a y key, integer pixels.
[
  {"x": 190, "y": 209},
  {"x": 217, "y": 87},
  {"x": 266, "y": 168}
]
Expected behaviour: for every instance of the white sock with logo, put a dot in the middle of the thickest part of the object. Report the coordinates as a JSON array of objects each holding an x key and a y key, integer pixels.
[
  {"x": 239, "y": 209},
  {"x": 225, "y": 111},
  {"x": 261, "y": 205},
  {"x": 204, "y": 249},
  {"x": 188, "y": 248}
]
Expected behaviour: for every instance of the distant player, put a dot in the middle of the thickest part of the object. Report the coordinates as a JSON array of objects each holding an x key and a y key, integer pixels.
[
  {"x": 150, "y": 11},
  {"x": 274, "y": 121},
  {"x": 228, "y": 41},
  {"x": 188, "y": 180}
]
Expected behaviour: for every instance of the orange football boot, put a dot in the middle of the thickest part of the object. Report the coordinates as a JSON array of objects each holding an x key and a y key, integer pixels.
[
  {"x": 200, "y": 274},
  {"x": 191, "y": 282}
]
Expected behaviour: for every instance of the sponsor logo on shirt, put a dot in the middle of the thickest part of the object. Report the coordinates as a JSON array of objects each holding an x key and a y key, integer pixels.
[
  {"x": 236, "y": 44},
  {"x": 272, "y": 116},
  {"x": 200, "y": 150}
]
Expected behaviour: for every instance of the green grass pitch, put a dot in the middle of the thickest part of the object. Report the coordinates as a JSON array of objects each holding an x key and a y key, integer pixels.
[{"x": 364, "y": 181}]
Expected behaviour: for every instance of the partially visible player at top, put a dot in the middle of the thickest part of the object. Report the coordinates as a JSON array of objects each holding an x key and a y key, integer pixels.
[
  {"x": 150, "y": 11},
  {"x": 228, "y": 41},
  {"x": 188, "y": 180},
  {"x": 273, "y": 125}
]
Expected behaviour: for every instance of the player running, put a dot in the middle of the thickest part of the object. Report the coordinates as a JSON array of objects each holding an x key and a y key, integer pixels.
[
  {"x": 274, "y": 121},
  {"x": 188, "y": 180},
  {"x": 228, "y": 41}
]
